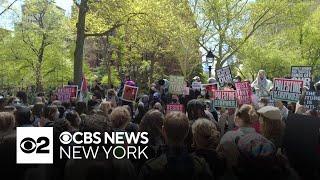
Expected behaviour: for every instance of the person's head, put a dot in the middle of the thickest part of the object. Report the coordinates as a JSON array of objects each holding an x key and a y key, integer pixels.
[
  {"x": 22, "y": 115},
  {"x": 317, "y": 86},
  {"x": 262, "y": 74},
  {"x": 270, "y": 122},
  {"x": 152, "y": 123},
  {"x": 120, "y": 117},
  {"x": 39, "y": 100},
  {"x": 196, "y": 109},
  {"x": 205, "y": 134},
  {"x": 53, "y": 97},
  {"x": 7, "y": 122},
  {"x": 279, "y": 104},
  {"x": 22, "y": 96},
  {"x": 50, "y": 113},
  {"x": 245, "y": 116},
  {"x": 175, "y": 128},
  {"x": 2, "y": 102},
  {"x": 73, "y": 118},
  {"x": 37, "y": 109},
  {"x": 106, "y": 108},
  {"x": 81, "y": 107},
  {"x": 158, "y": 106},
  {"x": 237, "y": 79},
  {"x": 263, "y": 102}
]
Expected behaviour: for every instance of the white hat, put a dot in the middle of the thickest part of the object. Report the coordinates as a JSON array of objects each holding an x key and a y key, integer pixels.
[{"x": 270, "y": 112}]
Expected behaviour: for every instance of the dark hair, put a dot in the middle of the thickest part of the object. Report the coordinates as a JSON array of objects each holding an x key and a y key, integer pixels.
[
  {"x": 152, "y": 123},
  {"x": 22, "y": 96},
  {"x": 195, "y": 109},
  {"x": 95, "y": 123},
  {"x": 22, "y": 115},
  {"x": 73, "y": 118},
  {"x": 48, "y": 112},
  {"x": 81, "y": 108},
  {"x": 37, "y": 109}
]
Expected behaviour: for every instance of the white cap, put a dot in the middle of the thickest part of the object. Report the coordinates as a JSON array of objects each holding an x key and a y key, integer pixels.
[{"x": 270, "y": 112}]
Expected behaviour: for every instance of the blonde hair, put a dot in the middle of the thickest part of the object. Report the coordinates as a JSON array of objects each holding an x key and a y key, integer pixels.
[
  {"x": 205, "y": 134},
  {"x": 106, "y": 108},
  {"x": 120, "y": 117},
  {"x": 7, "y": 121}
]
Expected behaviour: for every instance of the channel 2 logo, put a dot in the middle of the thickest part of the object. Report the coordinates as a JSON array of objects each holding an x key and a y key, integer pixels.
[{"x": 34, "y": 145}]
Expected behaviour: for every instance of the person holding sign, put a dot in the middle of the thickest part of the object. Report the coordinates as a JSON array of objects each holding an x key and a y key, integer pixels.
[{"x": 262, "y": 85}]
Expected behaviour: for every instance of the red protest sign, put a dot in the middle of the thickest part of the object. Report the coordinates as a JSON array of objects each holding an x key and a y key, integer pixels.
[
  {"x": 225, "y": 99},
  {"x": 72, "y": 89},
  {"x": 174, "y": 107},
  {"x": 243, "y": 92},
  {"x": 129, "y": 93}
]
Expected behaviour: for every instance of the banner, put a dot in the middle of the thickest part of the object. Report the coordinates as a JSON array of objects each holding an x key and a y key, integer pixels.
[
  {"x": 244, "y": 92},
  {"x": 210, "y": 88},
  {"x": 196, "y": 85},
  {"x": 174, "y": 107},
  {"x": 287, "y": 89},
  {"x": 302, "y": 73},
  {"x": 224, "y": 75},
  {"x": 225, "y": 99},
  {"x": 312, "y": 100},
  {"x": 176, "y": 85},
  {"x": 129, "y": 93},
  {"x": 66, "y": 92}
]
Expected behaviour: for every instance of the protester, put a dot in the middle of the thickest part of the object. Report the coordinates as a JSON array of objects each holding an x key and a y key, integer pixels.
[
  {"x": 261, "y": 84},
  {"x": 283, "y": 110},
  {"x": 176, "y": 163},
  {"x": 272, "y": 126},
  {"x": 120, "y": 117},
  {"x": 206, "y": 139},
  {"x": 7, "y": 124}
]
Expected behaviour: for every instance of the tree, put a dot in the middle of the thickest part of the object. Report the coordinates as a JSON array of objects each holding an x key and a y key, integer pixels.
[
  {"x": 42, "y": 39},
  {"x": 8, "y": 7}
]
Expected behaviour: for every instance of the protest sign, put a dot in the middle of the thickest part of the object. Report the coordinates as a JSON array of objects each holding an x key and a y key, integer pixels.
[
  {"x": 224, "y": 75},
  {"x": 286, "y": 89},
  {"x": 312, "y": 100},
  {"x": 302, "y": 73},
  {"x": 225, "y": 99},
  {"x": 196, "y": 85},
  {"x": 210, "y": 88},
  {"x": 176, "y": 85},
  {"x": 244, "y": 92},
  {"x": 73, "y": 89},
  {"x": 65, "y": 93},
  {"x": 129, "y": 93},
  {"x": 174, "y": 107}
]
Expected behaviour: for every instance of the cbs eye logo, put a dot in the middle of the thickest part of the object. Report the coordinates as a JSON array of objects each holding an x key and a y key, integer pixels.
[
  {"x": 34, "y": 145},
  {"x": 29, "y": 145}
]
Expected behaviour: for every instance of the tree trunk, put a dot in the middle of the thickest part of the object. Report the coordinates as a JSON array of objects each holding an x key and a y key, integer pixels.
[
  {"x": 38, "y": 77},
  {"x": 78, "y": 53}
]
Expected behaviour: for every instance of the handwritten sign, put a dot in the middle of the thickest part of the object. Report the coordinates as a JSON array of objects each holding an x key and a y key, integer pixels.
[
  {"x": 287, "y": 89},
  {"x": 177, "y": 84},
  {"x": 174, "y": 107},
  {"x": 302, "y": 73},
  {"x": 129, "y": 93},
  {"x": 225, "y": 99},
  {"x": 224, "y": 75},
  {"x": 244, "y": 92},
  {"x": 312, "y": 100}
]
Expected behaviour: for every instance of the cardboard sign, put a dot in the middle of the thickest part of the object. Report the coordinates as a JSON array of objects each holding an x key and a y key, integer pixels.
[
  {"x": 196, "y": 85},
  {"x": 73, "y": 89},
  {"x": 176, "y": 85},
  {"x": 224, "y": 75},
  {"x": 129, "y": 93},
  {"x": 312, "y": 100},
  {"x": 302, "y": 73},
  {"x": 244, "y": 92},
  {"x": 174, "y": 107},
  {"x": 287, "y": 89},
  {"x": 225, "y": 99},
  {"x": 210, "y": 88}
]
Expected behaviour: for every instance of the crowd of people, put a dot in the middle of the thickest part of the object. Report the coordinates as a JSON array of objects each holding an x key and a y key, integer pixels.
[{"x": 202, "y": 142}]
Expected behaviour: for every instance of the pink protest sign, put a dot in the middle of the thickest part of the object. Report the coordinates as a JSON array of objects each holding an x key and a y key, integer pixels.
[{"x": 243, "y": 92}]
